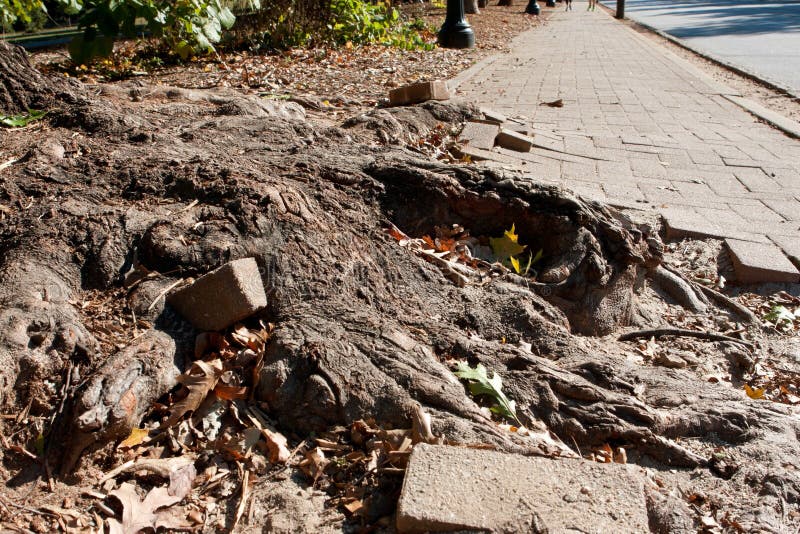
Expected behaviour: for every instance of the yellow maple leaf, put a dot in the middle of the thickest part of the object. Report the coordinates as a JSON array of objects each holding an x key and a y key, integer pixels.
[
  {"x": 507, "y": 246},
  {"x": 756, "y": 393},
  {"x": 136, "y": 437}
]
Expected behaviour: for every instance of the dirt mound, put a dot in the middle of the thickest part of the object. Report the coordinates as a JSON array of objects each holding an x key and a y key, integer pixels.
[{"x": 129, "y": 193}]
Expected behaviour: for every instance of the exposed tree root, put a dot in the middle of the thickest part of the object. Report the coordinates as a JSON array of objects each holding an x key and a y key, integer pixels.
[{"x": 661, "y": 332}]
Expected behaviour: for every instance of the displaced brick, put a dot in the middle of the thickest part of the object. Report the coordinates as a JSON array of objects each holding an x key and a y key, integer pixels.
[
  {"x": 790, "y": 246},
  {"x": 453, "y": 488},
  {"x": 419, "y": 92},
  {"x": 493, "y": 116},
  {"x": 479, "y": 135},
  {"x": 760, "y": 262},
  {"x": 513, "y": 140},
  {"x": 220, "y": 298}
]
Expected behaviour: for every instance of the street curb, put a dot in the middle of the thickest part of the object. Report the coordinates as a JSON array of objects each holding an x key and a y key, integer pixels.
[
  {"x": 775, "y": 86},
  {"x": 773, "y": 118},
  {"x": 784, "y": 124}
]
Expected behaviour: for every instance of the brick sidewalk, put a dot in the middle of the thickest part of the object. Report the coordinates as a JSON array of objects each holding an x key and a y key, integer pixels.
[{"x": 642, "y": 128}]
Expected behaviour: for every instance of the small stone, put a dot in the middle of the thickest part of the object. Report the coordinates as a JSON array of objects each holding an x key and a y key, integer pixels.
[
  {"x": 222, "y": 297},
  {"x": 419, "y": 92},
  {"x": 669, "y": 360}
]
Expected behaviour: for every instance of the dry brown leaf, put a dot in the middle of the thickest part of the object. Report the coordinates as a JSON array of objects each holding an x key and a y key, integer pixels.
[
  {"x": 276, "y": 443},
  {"x": 138, "y": 515},
  {"x": 554, "y": 104},
  {"x": 230, "y": 392},
  {"x": 314, "y": 463},
  {"x": 200, "y": 380}
]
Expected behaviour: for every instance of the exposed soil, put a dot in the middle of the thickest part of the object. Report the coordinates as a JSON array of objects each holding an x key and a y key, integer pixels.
[{"x": 126, "y": 189}]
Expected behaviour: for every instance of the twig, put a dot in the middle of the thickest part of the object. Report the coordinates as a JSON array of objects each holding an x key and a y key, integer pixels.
[
  {"x": 576, "y": 445},
  {"x": 245, "y": 496},
  {"x": 661, "y": 332},
  {"x": 8, "y": 163},
  {"x": 117, "y": 470},
  {"x": 164, "y": 292}
]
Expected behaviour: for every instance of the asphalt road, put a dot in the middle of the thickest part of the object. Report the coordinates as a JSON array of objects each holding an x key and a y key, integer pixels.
[{"x": 761, "y": 37}]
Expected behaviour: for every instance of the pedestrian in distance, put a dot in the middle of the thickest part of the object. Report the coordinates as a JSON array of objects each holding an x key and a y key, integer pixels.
[
  {"x": 592, "y": 5},
  {"x": 569, "y": 5}
]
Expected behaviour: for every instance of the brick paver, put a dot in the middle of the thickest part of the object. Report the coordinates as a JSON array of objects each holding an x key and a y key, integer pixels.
[{"x": 642, "y": 128}]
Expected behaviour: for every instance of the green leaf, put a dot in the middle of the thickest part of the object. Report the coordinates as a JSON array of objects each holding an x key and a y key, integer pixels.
[
  {"x": 780, "y": 314},
  {"x": 481, "y": 384},
  {"x": 226, "y": 18},
  {"x": 18, "y": 121}
]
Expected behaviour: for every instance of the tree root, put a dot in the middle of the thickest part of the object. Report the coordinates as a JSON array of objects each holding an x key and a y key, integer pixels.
[
  {"x": 679, "y": 288},
  {"x": 661, "y": 332}
]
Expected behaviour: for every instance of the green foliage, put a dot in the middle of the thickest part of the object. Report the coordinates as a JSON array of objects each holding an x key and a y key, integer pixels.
[
  {"x": 357, "y": 21},
  {"x": 185, "y": 26},
  {"x": 18, "y": 121},
  {"x": 23, "y": 10},
  {"x": 481, "y": 384},
  {"x": 782, "y": 316},
  {"x": 362, "y": 22}
]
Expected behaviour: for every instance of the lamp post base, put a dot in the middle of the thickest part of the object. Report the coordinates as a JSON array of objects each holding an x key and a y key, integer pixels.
[
  {"x": 533, "y": 8},
  {"x": 458, "y": 35}
]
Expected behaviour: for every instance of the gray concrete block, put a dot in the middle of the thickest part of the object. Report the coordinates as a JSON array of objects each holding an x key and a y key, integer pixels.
[
  {"x": 479, "y": 135},
  {"x": 493, "y": 116},
  {"x": 419, "y": 92},
  {"x": 790, "y": 246},
  {"x": 760, "y": 262},
  {"x": 220, "y": 298},
  {"x": 513, "y": 140},
  {"x": 450, "y": 488}
]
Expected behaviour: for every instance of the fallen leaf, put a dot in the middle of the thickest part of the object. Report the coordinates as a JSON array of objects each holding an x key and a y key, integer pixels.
[
  {"x": 481, "y": 384},
  {"x": 230, "y": 392},
  {"x": 754, "y": 393},
  {"x": 200, "y": 380},
  {"x": 554, "y": 104},
  {"x": 506, "y": 246},
  {"x": 136, "y": 437},
  {"x": 276, "y": 444},
  {"x": 138, "y": 515}
]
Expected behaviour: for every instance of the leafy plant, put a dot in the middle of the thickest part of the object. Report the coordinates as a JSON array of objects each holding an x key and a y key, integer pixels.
[
  {"x": 185, "y": 26},
  {"x": 481, "y": 384},
  {"x": 506, "y": 249},
  {"x": 357, "y": 21},
  {"x": 18, "y": 121},
  {"x": 23, "y": 10},
  {"x": 782, "y": 316}
]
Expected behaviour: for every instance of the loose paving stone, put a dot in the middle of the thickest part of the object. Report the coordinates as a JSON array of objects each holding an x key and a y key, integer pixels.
[
  {"x": 493, "y": 116},
  {"x": 479, "y": 135},
  {"x": 514, "y": 141},
  {"x": 790, "y": 246},
  {"x": 419, "y": 92},
  {"x": 450, "y": 488},
  {"x": 220, "y": 298},
  {"x": 760, "y": 262}
]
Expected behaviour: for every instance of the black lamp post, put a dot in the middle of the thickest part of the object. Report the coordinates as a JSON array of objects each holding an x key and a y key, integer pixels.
[
  {"x": 456, "y": 31},
  {"x": 533, "y": 8}
]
